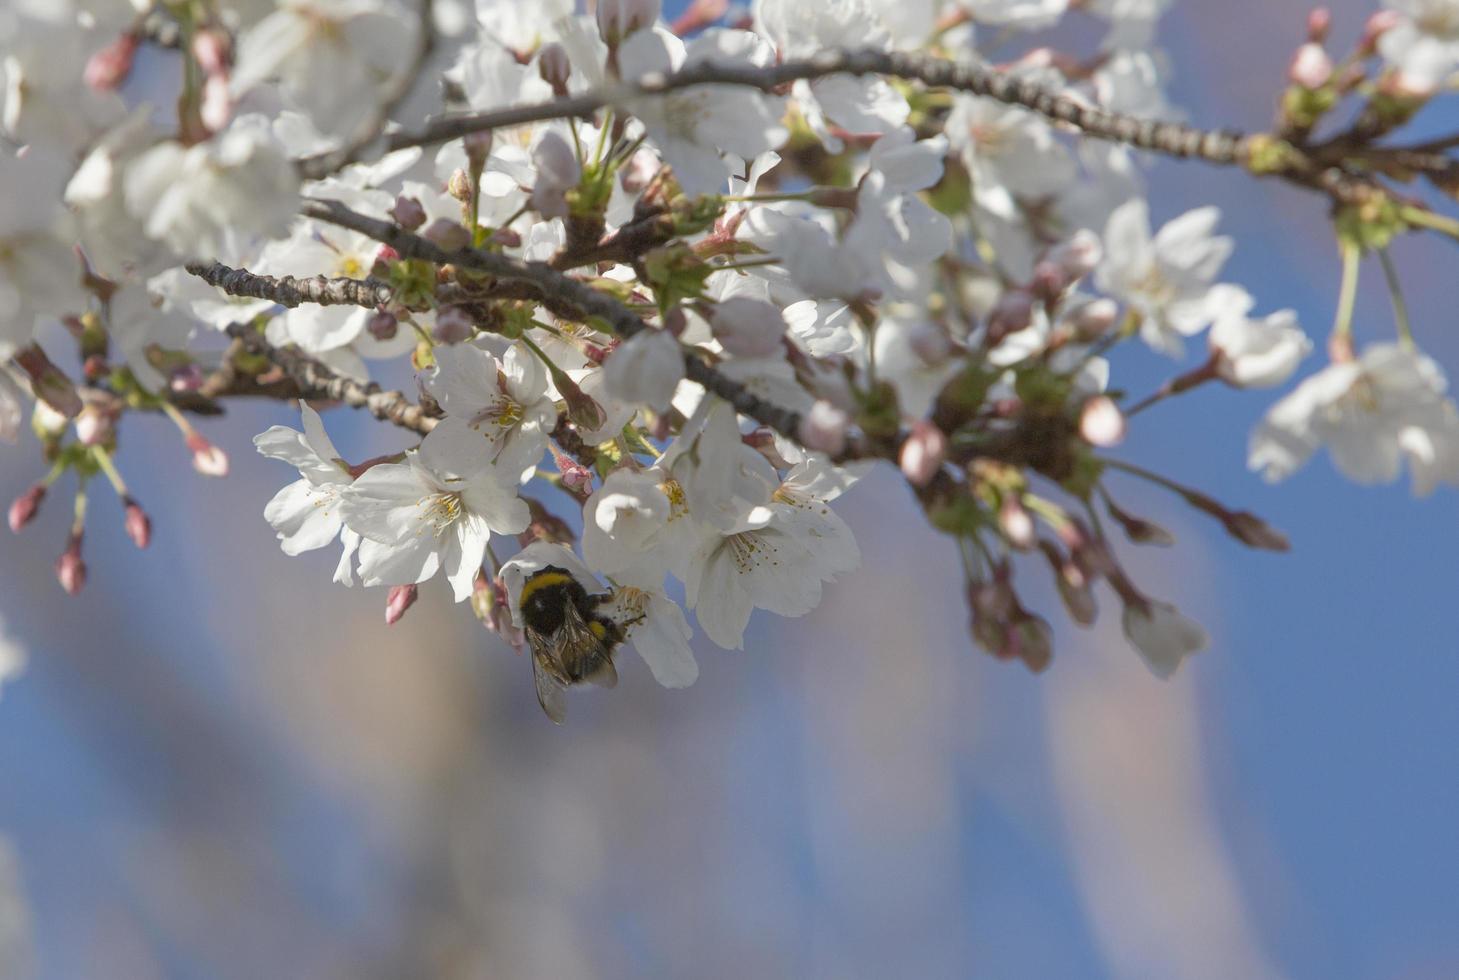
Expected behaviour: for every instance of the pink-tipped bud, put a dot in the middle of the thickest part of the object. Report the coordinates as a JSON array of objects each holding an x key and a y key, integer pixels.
[
  {"x": 1094, "y": 319},
  {"x": 24, "y": 508},
  {"x": 137, "y": 523},
  {"x": 453, "y": 325},
  {"x": 1319, "y": 24},
  {"x": 108, "y": 68},
  {"x": 930, "y": 342},
  {"x": 478, "y": 148},
  {"x": 448, "y": 234},
  {"x": 575, "y": 476},
  {"x": 1016, "y": 524},
  {"x": 1101, "y": 422},
  {"x": 213, "y": 51},
  {"x": 1378, "y": 23},
  {"x": 408, "y": 213},
  {"x": 748, "y": 327},
  {"x": 555, "y": 67},
  {"x": 95, "y": 426},
  {"x": 1079, "y": 255},
  {"x": 1254, "y": 532},
  {"x": 483, "y": 600},
  {"x": 208, "y": 459},
  {"x": 1311, "y": 68},
  {"x": 823, "y": 428},
  {"x": 1049, "y": 280},
  {"x": 397, "y": 601},
  {"x": 619, "y": 18},
  {"x": 383, "y": 325},
  {"x": 70, "y": 569},
  {"x": 1013, "y": 312},
  {"x": 922, "y": 453},
  {"x": 216, "y": 108}
]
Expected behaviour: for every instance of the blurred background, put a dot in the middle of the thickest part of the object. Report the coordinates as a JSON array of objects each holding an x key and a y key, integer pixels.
[{"x": 218, "y": 764}]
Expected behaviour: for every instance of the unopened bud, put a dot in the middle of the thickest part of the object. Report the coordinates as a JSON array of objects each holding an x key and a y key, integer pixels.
[
  {"x": 619, "y": 18},
  {"x": 70, "y": 569},
  {"x": 478, "y": 149},
  {"x": 448, "y": 234},
  {"x": 108, "y": 68},
  {"x": 483, "y": 599},
  {"x": 397, "y": 601},
  {"x": 1319, "y": 24},
  {"x": 453, "y": 325},
  {"x": 930, "y": 342},
  {"x": 95, "y": 426},
  {"x": 212, "y": 50},
  {"x": 186, "y": 378},
  {"x": 1049, "y": 280},
  {"x": 1031, "y": 640},
  {"x": 208, "y": 459},
  {"x": 408, "y": 212},
  {"x": 216, "y": 108},
  {"x": 748, "y": 327},
  {"x": 383, "y": 325},
  {"x": 1138, "y": 529},
  {"x": 1016, "y": 524},
  {"x": 1014, "y": 312},
  {"x": 137, "y": 523},
  {"x": 557, "y": 171},
  {"x": 1073, "y": 585},
  {"x": 1101, "y": 422},
  {"x": 48, "y": 382},
  {"x": 1378, "y": 23},
  {"x": 1094, "y": 319},
  {"x": 1311, "y": 68},
  {"x": 24, "y": 508},
  {"x": 922, "y": 453},
  {"x": 1079, "y": 255},
  {"x": 823, "y": 428},
  {"x": 554, "y": 67},
  {"x": 1254, "y": 532}
]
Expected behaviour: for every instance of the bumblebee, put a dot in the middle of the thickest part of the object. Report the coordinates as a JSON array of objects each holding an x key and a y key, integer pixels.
[{"x": 572, "y": 640}]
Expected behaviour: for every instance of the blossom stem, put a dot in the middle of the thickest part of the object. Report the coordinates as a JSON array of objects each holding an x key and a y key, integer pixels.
[
  {"x": 1425, "y": 218},
  {"x": 1342, "y": 324},
  {"x": 108, "y": 466},
  {"x": 1395, "y": 293}
]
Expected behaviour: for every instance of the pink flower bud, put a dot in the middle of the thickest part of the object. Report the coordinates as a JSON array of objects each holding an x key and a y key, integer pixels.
[
  {"x": 138, "y": 525},
  {"x": 70, "y": 569},
  {"x": 383, "y": 325},
  {"x": 397, "y": 601},
  {"x": 448, "y": 234},
  {"x": 1032, "y": 641},
  {"x": 619, "y": 18},
  {"x": 108, "y": 68},
  {"x": 1049, "y": 280},
  {"x": 1101, "y": 422},
  {"x": 212, "y": 50},
  {"x": 453, "y": 325},
  {"x": 1079, "y": 255},
  {"x": 1094, "y": 319},
  {"x": 575, "y": 476},
  {"x": 1311, "y": 68},
  {"x": 1016, "y": 524},
  {"x": 823, "y": 428},
  {"x": 1012, "y": 313},
  {"x": 1254, "y": 532},
  {"x": 748, "y": 327},
  {"x": 930, "y": 342},
  {"x": 216, "y": 108},
  {"x": 208, "y": 459},
  {"x": 554, "y": 67},
  {"x": 26, "y": 506},
  {"x": 408, "y": 213},
  {"x": 1378, "y": 23},
  {"x": 1319, "y": 24},
  {"x": 478, "y": 148},
  {"x": 923, "y": 453}
]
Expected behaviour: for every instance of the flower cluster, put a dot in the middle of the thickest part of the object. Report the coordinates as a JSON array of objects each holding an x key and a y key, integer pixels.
[{"x": 667, "y": 290}]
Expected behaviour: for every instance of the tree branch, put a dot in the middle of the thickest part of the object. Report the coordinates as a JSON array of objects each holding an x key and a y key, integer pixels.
[
  {"x": 291, "y": 292},
  {"x": 1218, "y": 147}
]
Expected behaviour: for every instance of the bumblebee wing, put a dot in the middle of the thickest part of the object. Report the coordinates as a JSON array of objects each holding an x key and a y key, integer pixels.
[
  {"x": 583, "y": 653},
  {"x": 551, "y": 690}
]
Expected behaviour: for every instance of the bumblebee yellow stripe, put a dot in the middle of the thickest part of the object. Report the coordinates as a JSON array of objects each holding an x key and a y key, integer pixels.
[{"x": 541, "y": 580}]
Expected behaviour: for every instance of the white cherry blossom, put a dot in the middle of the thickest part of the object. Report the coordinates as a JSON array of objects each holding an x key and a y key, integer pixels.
[
  {"x": 498, "y": 409},
  {"x": 1254, "y": 353},
  {"x": 306, "y": 514}
]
